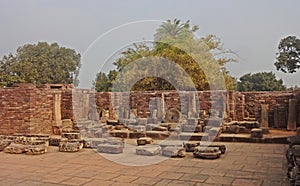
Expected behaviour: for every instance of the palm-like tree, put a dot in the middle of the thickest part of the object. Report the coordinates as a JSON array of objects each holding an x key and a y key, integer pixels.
[{"x": 174, "y": 30}]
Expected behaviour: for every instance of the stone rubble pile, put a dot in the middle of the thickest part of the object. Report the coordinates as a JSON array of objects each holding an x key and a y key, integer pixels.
[
  {"x": 70, "y": 142},
  {"x": 171, "y": 148},
  {"x": 28, "y": 144}
]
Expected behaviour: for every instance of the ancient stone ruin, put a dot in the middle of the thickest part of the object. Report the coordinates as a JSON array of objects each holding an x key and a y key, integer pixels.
[{"x": 76, "y": 118}]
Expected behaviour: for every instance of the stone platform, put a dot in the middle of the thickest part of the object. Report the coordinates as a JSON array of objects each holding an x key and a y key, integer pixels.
[{"x": 242, "y": 164}]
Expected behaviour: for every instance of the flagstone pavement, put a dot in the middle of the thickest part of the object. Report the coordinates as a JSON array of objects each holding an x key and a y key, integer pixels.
[{"x": 243, "y": 164}]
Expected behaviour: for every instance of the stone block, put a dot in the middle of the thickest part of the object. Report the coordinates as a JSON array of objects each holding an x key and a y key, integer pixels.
[
  {"x": 3, "y": 144},
  {"x": 111, "y": 149},
  {"x": 191, "y": 146},
  {"x": 256, "y": 133},
  {"x": 170, "y": 143},
  {"x": 69, "y": 146},
  {"x": 148, "y": 150},
  {"x": 174, "y": 152},
  {"x": 222, "y": 148},
  {"x": 36, "y": 149},
  {"x": 207, "y": 152},
  {"x": 93, "y": 142},
  {"x": 144, "y": 141},
  {"x": 15, "y": 148}
]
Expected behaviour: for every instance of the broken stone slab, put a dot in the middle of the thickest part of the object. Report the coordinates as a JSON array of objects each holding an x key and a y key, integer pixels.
[
  {"x": 170, "y": 143},
  {"x": 36, "y": 149},
  {"x": 207, "y": 152},
  {"x": 148, "y": 150},
  {"x": 191, "y": 146},
  {"x": 15, "y": 148},
  {"x": 3, "y": 144},
  {"x": 111, "y": 149},
  {"x": 256, "y": 133},
  {"x": 174, "y": 152},
  {"x": 222, "y": 148},
  {"x": 144, "y": 141},
  {"x": 68, "y": 146},
  {"x": 93, "y": 142}
]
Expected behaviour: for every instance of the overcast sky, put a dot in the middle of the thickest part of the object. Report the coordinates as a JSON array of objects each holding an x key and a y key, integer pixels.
[{"x": 253, "y": 28}]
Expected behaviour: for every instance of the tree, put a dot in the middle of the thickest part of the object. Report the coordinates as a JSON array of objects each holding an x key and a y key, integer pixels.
[
  {"x": 203, "y": 59},
  {"x": 262, "y": 81},
  {"x": 288, "y": 56},
  {"x": 174, "y": 30},
  {"x": 39, "y": 64}
]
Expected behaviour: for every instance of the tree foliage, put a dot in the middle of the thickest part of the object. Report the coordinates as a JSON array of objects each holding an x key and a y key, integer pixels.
[
  {"x": 288, "y": 56},
  {"x": 201, "y": 59},
  {"x": 39, "y": 64},
  {"x": 262, "y": 81}
]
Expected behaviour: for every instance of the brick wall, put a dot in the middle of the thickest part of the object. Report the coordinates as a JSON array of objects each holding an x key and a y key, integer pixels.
[{"x": 28, "y": 108}]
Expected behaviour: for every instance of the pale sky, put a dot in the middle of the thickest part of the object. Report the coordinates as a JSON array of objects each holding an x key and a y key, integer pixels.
[{"x": 253, "y": 28}]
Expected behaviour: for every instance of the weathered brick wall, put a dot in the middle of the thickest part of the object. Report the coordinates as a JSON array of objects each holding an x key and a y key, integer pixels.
[
  {"x": 275, "y": 100},
  {"x": 30, "y": 109},
  {"x": 25, "y": 109}
]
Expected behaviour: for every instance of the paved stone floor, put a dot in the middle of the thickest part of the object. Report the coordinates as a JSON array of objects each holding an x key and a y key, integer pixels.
[{"x": 243, "y": 164}]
